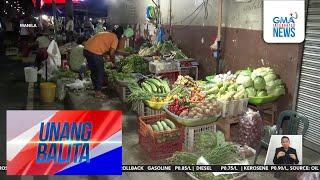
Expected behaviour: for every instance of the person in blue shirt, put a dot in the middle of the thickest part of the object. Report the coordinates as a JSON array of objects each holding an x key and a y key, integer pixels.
[{"x": 285, "y": 154}]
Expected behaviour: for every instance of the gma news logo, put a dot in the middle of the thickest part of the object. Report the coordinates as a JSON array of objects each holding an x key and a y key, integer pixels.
[{"x": 285, "y": 26}]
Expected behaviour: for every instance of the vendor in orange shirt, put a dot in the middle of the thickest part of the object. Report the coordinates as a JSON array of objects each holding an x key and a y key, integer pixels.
[{"x": 95, "y": 49}]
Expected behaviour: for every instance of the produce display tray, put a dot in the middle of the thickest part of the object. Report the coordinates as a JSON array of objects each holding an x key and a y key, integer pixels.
[
  {"x": 262, "y": 100},
  {"x": 163, "y": 66},
  {"x": 191, "y": 122},
  {"x": 233, "y": 108}
]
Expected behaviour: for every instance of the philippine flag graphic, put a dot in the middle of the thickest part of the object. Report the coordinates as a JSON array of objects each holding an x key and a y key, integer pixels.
[{"x": 64, "y": 142}]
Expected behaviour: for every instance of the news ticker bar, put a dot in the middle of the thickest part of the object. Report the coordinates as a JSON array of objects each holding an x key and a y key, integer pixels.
[{"x": 222, "y": 168}]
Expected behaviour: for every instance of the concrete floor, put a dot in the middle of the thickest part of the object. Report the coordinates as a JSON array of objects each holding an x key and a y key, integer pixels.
[{"x": 13, "y": 93}]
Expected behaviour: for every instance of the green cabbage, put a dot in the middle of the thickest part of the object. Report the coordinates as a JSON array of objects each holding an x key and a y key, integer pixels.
[
  {"x": 270, "y": 77},
  {"x": 273, "y": 84},
  {"x": 259, "y": 83},
  {"x": 278, "y": 91},
  {"x": 262, "y": 93},
  {"x": 251, "y": 92},
  {"x": 244, "y": 80},
  {"x": 262, "y": 71}
]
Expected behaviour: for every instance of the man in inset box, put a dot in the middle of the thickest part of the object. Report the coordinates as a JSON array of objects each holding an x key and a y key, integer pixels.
[{"x": 285, "y": 154}]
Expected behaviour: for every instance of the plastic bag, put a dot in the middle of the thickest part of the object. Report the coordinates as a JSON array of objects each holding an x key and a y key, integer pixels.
[
  {"x": 251, "y": 128},
  {"x": 54, "y": 53}
]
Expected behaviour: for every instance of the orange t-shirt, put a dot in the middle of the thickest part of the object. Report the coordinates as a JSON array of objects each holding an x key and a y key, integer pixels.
[{"x": 101, "y": 43}]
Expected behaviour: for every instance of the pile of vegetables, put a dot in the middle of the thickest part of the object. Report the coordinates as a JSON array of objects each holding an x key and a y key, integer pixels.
[
  {"x": 178, "y": 55},
  {"x": 135, "y": 63},
  {"x": 120, "y": 76},
  {"x": 148, "y": 51},
  {"x": 129, "y": 50},
  {"x": 261, "y": 82},
  {"x": 222, "y": 77},
  {"x": 59, "y": 74},
  {"x": 154, "y": 90},
  {"x": 165, "y": 49},
  {"x": 194, "y": 111},
  {"x": 76, "y": 58},
  {"x": 185, "y": 81},
  {"x": 165, "y": 125},
  {"x": 214, "y": 148},
  {"x": 225, "y": 91}
]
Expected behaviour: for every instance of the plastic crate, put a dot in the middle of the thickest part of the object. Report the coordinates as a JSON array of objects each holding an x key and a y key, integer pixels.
[
  {"x": 233, "y": 108},
  {"x": 143, "y": 110},
  {"x": 163, "y": 66},
  {"x": 191, "y": 132},
  {"x": 123, "y": 92},
  {"x": 192, "y": 71},
  {"x": 152, "y": 142},
  {"x": 171, "y": 77}
]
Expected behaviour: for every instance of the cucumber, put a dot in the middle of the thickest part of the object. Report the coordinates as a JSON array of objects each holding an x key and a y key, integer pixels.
[
  {"x": 150, "y": 128},
  {"x": 170, "y": 124},
  {"x": 153, "y": 87},
  {"x": 160, "y": 126},
  {"x": 155, "y": 127},
  {"x": 166, "y": 86},
  {"x": 147, "y": 87},
  {"x": 165, "y": 126},
  {"x": 155, "y": 82}
]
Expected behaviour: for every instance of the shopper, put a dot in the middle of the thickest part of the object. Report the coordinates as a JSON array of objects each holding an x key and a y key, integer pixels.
[
  {"x": 96, "y": 48},
  {"x": 69, "y": 29},
  {"x": 285, "y": 154},
  {"x": 43, "y": 42}
]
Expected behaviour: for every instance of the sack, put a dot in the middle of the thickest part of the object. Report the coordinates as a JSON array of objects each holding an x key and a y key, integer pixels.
[{"x": 54, "y": 53}]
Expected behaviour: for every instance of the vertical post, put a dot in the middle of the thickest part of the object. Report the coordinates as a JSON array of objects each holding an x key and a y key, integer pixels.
[
  {"x": 159, "y": 14},
  {"x": 69, "y": 8},
  {"x": 219, "y": 20},
  {"x": 54, "y": 18},
  {"x": 170, "y": 19}
]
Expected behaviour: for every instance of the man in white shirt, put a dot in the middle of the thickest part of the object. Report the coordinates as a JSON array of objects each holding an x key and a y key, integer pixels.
[{"x": 69, "y": 29}]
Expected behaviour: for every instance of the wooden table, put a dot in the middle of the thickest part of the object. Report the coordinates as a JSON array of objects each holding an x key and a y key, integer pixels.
[
  {"x": 225, "y": 125},
  {"x": 266, "y": 109}
]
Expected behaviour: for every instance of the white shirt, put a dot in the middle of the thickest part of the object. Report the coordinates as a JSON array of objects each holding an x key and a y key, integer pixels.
[{"x": 70, "y": 25}]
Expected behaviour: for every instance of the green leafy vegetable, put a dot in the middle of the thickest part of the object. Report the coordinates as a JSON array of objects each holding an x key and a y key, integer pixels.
[
  {"x": 205, "y": 142},
  {"x": 259, "y": 83}
]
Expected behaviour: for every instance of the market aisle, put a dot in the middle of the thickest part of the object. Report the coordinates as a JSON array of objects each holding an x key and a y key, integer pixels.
[{"x": 13, "y": 94}]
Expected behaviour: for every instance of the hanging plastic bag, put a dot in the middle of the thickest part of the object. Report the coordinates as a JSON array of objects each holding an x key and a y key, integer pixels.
[
  {"x": 54, "y": 53},
  {"x": 251, "y": 128}
]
